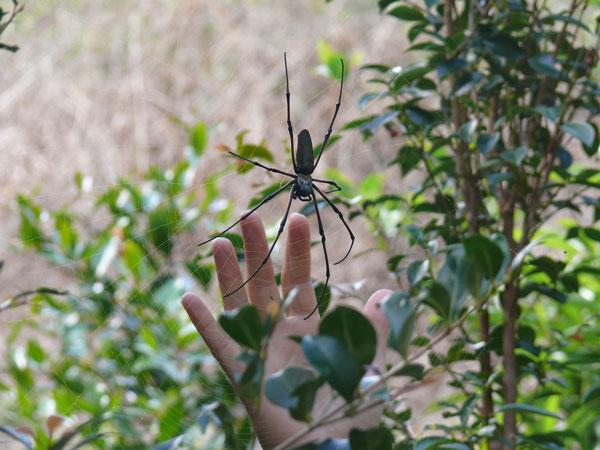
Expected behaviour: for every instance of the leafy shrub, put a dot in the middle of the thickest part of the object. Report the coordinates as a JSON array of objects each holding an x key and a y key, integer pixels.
[{"x": 493, "y": 118}]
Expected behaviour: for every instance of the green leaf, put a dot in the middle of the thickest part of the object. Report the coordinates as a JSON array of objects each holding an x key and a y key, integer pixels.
[
  {"x": 407, "y": 13},
  {"x": 467, "y": 130},
  {"x": 551, "y": 113},
  {"x": 544, "y": 63},
  {"x": 415, "y": 371},
  {"x": 484, "y": 252},
  {"x": 354, "y": 330},
  {"x": 377, "y": 121},
  {"x": 486, "y": 142},
  {"x": 244, "y": 325},
  {"x": 201, "y": 272},
  {"x": 514, "y": 155},
  {"x": 248, "y": 382},
  {"x": 198, "y": 138},
  {"x": 162, "y": 224},
  {"x": 260, "y": 196},
  {"x": 35, "y": 351},
  {"x": 326, "y": 297},
  {"x": 171, "y": 423},
  {"x": 251, "y": 151},
  {"x": 408, "y": 158},
  {"x": 503, "y": 45},
  {"x": 580, "y": 130},
  {"x": 522, "y": 408},
  {"x": 419, "y": 116},
  {"x": 437, "y": 297},
  {"x": 400, "y": 313},
  {"x": 371, "y": 186},
  {"x": 372, "y": 439},
  {"x": 280, "y": 387},
  {"x": 410, "y": 73},
  {"x": 591, "y": 393},
  {"x": 330, "y": 60},
  {"x": 417, "y": 270},
  {"x": 592, "y": 233},
  {"x": 334, "y": 362},
  {"x": 466, "y": 83}
]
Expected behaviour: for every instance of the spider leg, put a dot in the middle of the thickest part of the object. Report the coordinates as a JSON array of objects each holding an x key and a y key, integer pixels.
[
  {"x": 270, "y": 169},
  {"x": 332, "y": 183},
  {"x": 287, "y": 99},
  {"x": 337, "y": 108},
  {"x": 341, "y": 216},
  {"x": 262, "y": 202},
  {"x": 322, "y": 233},
  {"x": 264, "y": 261}
]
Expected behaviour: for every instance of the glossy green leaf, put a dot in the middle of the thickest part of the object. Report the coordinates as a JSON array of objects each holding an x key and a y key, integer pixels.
[
  {"x": 171, "y": 422},
  {"x": 334, "y": 362},
  {"x": 486, "y": 142},
  {"x": 514, "y": 155},
  {"x": 415, "y": 371},
  {"x": 467, "y": 130},
  {"x": 198, "y": 138},
  {"x": 503, "y": 45},
  {"x": 35, "y": 351},
  {"x": 401, "y": 314},
  {"x": 330, "y": 60},
  {"x": 260, "y": 196},
  {"x": 522, "y": 408},
  {"x": 410, "y": 73},
  {"x": 293, "y": 388},
  {"x": 592, "y": 393},
  {"x": 551, "y": 113},
  {"x": 544, "y": 64},
  {"x": 354, "y": 330},
  {"x": 419, "y": 116},
  {"x": 484, "y": 252},
  {"x": 371, "y": 439},
  {"x": 408, "y": 158},
  {"x": 466, "y": 83},
  {"x": 407, "y": 13},
  {"x": 417, "y": 270},
  {"x": 244, "y": 325},
  {"x": 325, "y": 300},
  {"x": 251, "y": 151},
  {"x": 435, "y": 295},
  {"x": 376, "y": 122},
  {"x": 580, "y": 130},
  {"x": 162, "y": 224}
]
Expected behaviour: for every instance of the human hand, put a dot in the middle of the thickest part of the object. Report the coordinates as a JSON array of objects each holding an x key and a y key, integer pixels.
[{"x": 272, "y": 424}]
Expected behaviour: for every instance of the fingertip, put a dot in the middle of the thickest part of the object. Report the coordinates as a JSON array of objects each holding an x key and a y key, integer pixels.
[
  {"x": 188, "y": 299},
  {"x": 221, "y": 245},
  {"x": 297, "y": 220}
]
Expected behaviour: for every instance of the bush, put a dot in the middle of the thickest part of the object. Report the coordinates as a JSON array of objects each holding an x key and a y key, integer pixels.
[{"x": 493, "y": 118}]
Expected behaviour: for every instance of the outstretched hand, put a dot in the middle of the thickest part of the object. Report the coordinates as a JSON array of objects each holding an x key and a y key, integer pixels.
[{"x": 273, "y": 424}]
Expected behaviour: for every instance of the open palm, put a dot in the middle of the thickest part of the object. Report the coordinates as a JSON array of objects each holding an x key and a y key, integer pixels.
[{"x": 272, "y": 423}]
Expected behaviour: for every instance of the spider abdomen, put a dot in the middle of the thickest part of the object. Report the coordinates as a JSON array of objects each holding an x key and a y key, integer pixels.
[{"x": 305, "y": 159}]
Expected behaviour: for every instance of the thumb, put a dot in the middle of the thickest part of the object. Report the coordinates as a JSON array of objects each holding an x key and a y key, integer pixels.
[{"x": 374, "y": 312}]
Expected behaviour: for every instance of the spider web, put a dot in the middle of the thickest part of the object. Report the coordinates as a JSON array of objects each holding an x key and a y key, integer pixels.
[{"x": 81, "y": 102}]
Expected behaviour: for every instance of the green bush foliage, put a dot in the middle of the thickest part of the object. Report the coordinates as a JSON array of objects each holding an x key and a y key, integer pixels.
[{"x": 498, "y": 119}]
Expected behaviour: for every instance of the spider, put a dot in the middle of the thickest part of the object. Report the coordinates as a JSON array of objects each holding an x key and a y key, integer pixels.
[{"x": 302, "y": 185}]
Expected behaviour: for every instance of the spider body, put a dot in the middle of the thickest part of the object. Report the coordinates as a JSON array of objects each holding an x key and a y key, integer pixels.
[{"x": 302, "y": 186}]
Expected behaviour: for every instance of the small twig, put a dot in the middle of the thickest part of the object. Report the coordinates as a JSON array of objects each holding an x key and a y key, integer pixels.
[{"x": 20, "y": 299}]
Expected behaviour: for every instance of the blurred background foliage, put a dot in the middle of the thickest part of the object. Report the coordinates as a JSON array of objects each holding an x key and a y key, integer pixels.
[{"x": 108, "y": 358}]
